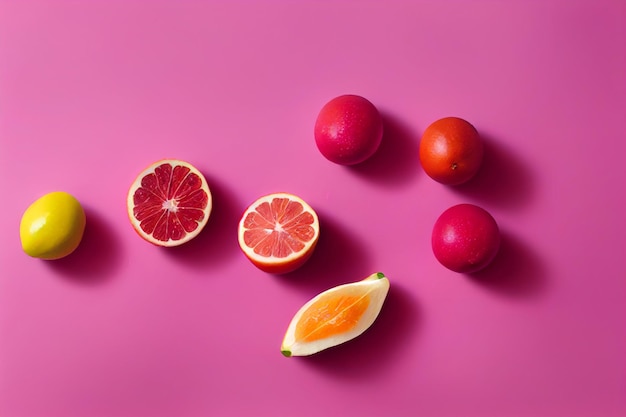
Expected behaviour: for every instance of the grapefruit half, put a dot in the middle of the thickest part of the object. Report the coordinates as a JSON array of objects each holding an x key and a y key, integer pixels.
[
  {"x": 278, "y": 232},
  {"x": 169, "y": 203}
]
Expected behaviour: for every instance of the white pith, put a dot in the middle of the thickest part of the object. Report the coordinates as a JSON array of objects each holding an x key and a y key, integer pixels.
[
  {"x": 272, "y": 259},
  {"x": 377, "y": 288},
  {"x": 170, "y": 205}
]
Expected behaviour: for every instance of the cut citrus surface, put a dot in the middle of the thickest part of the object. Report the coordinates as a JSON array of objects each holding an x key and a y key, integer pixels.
[
  {"x": 169, "y": 203},
  {"x": 335, "y": 316},
  {"x": 278, "y": 232}
]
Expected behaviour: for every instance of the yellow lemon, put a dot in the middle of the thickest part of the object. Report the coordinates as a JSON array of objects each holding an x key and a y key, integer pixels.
[{"x": 52, "y": 227}]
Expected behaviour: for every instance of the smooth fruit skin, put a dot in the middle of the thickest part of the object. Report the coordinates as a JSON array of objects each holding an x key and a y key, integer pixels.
[
  {"x": 451, "y": 151},
  {"x": 465, "y": 238},
  {"x": 285, "y": 268},
  {"x": 348, "y": 130},
  {"x": 53, "y": 226}
]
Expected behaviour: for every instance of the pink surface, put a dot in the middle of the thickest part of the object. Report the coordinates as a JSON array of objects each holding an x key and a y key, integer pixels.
[{"x": 92, "y": 92}]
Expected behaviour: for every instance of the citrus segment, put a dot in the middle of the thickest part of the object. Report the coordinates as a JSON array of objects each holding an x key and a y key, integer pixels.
[
  {"x": 330, "y": 316},
  {"x": 335, "y": 316},
  {"x": 278, "y": 232},
  {"x": 169, "y": 203}
]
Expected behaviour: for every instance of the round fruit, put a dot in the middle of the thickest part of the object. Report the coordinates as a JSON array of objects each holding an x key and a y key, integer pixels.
[
  {"x": 169, "y": 203},
  {"x": 348, "y": 130},
  {"x": 451, "y": 151},
  {"x": 53, "y": 226},
  {"x": 335, "y": 316},
  {"x": 278, "y": 232},
  {"x": 465, "y": 238}
]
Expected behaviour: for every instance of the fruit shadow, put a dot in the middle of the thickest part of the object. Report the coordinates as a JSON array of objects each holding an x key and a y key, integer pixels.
[
  {"x": 380, "y": 346},
  {"x": 517, "y": 271},
  {"x": 217, "y": 243},
  {"x": 396, "y": 162},
  {"x": 98, "y": 256},
  {"x": 503, "y": 179},
  {"x": 338, "y": 258}
]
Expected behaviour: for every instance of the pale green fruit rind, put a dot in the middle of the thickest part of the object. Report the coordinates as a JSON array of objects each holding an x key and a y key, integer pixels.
[
  {"x": 374, "y": 276},
  {"x": 380, "y": 288},
  {"x": 52, "y": 227}
]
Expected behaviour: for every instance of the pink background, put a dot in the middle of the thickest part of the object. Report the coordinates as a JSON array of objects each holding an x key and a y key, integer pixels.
[{"x": 92, "y": 92}]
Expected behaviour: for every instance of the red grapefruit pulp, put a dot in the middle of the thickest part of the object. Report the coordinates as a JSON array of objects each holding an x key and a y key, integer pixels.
[{"x": 169, "y": 203}]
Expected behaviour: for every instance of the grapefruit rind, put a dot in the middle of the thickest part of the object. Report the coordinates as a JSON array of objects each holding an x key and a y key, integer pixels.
[
  {"x": 376, "y": 286},
  {"x": 137, "y": 184},
  {"x": 272, "y": 264}
]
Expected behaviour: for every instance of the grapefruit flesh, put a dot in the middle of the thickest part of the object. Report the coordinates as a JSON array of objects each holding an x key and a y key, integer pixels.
[
  {"x": 169, "y": 203},
  {"x": 278, "y": 232}
]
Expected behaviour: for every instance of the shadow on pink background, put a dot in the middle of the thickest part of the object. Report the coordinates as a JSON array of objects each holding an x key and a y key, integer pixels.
[
  {"x": 516, "y": 272},
  {"x": 504, "y": 181},
  {"x": 394, "y": 163},
  {"x": 97, "y": 259}
]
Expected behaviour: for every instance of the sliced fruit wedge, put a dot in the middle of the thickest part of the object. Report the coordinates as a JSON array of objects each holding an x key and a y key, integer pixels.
[
  {"x": 335, "y": 316},
  {"x": 278, "y": 232},
  {"x": 169, "y": 203}
]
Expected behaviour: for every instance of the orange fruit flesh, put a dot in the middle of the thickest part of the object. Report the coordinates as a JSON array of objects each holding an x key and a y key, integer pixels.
[
  {"x": 170, "y": 202},
  {"x": 279, "y": 228},
  {"x": 329, "y": 317}
]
